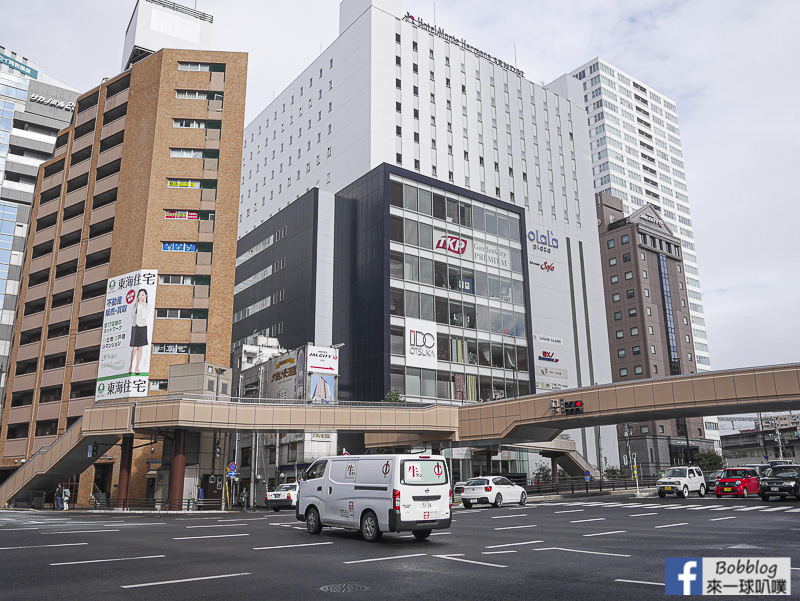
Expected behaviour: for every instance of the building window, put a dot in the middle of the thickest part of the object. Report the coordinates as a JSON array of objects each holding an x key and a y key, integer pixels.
[
  {"x": 621, "y": 353},
  {"x": 643, "y": 259},
  {"x": 626, "y": 257},
  {"x": 650, "y": 328},
  {"x": 647, "y": 292},
  {"x": 637, "y": 370},
  {"x": 615, "y": 297},
  {"x": 620, "y": 333},
  {"x": 610, "y": 243},
  {"x": 645, "y": 429},
  {"x": 625, "y": 239},
  {"x": 661, "y": 429},
  {"x": 690, "y": 357},
  {"x": 623, "y": 372},
  {"x": 634, "y": 331},
  {"x": 637, "y": 350},
  {"x": 614, "y": 279},
  {"x": 628, "y": 275},
  {"x": 630, "y": 294},
  {"x": 644, "y": 273},
  {"x": 655, "y": 369},
  {"x": 632, "y": 312},
  {"x": 617, "y": 315},
  {"x": 612, "y": 261},
  {"x": 652, "y": 348}
]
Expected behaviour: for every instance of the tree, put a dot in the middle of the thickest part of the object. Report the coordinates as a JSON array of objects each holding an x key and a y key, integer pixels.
[
  {"x": 613, "y": 471},
  {"x": 709, "y": 461},
  {"x": 394, "y": 396},
  {"x": 543, "y": 473}
]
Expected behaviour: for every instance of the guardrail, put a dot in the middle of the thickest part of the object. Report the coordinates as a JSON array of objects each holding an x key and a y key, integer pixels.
[
  {"x": 158, "y": 505},
  {"x": 578, "y": 486}
]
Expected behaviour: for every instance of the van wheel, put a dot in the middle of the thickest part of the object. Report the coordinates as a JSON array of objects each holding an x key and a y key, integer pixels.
[
  {"x": 467, "y": 504},
  {"x": 702, "y": 491},
  {"x": 313, "y": 523},
  {"x": 523, "y": 498},
  {"x": 369, "y": 527},
  {"x": 498, "y": 500},
  {"x": 421, "y": 534}
]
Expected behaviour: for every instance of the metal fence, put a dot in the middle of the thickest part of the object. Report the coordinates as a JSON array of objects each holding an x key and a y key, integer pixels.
[
  {"x": 158, "y": 505},
  {"x": 581, "y": 486}
]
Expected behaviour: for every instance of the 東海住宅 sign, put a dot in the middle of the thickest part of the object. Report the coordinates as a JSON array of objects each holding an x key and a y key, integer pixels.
[
  {"x": 18, "y": 66},
  {"x": 127, "y": 335},
  {"x": 420, "y": 343}
]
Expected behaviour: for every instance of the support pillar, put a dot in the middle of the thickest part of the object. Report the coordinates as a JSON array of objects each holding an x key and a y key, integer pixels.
[
  {"x": 125, "y": 462},
  {"x": 178, "y": 470},
  {"x": 554, "y": 469},
  {"x": 488, "y": 461}
]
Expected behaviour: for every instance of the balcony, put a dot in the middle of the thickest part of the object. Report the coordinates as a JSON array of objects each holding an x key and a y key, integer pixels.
[
  {"x": 59, "y": 151},
  {"x": 88, "y": 338},
  {"x": 105, "y": 212},
  {"x": 24, "y": 382},
  {"x": 70, "y": 253},
  {"x": 52, "y": 181},
  {"x": 116, "y": 100},
  {"x": 48, "y": 411},
  {"x": 100, "y": 243},
  {"x": 36, "y": 292},
  {"x": 84, "y": 371},
  {"x": 40, "y": 263},
  {"x": 60, "y": 314},
  {"x": 75, "y": 197},
  {"x": 56, "y": 345},
  {"x": 217, "y": 83},
  {"x": 44, "y": 235},
  {"x": 92, "y": 306},
  {"x": 106, "y": 184},
  {"x": 16, "y": 448},
  {"x": 112, "y": 154},
  {"x": 53, "y": 377},
  {"x": 72, "y": 225},
  {"x": 84, "y": 141},
  {"x": 205, "y": 231},
  {"x": 47, "y": 208},
  {"x": 19, "y": 415},
  {"x": 32, "y": 322},
  {"x": 81, "y": 168},
  {"x": 95, "y": 274},
  {"x": 28, "y": 351},
  {"x": 64, "y": 284},
  {"x": 86, "y": 116},
  {"x": 112, "y": 128}
]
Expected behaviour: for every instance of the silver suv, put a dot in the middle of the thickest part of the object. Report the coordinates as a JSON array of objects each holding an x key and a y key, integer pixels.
[{"x": 681, "y": 481}]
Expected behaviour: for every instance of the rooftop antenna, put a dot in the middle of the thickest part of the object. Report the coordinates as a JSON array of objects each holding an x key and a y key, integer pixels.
[
  {"x": 515, "y": 56},
  {"x": 434, "y": 15}
]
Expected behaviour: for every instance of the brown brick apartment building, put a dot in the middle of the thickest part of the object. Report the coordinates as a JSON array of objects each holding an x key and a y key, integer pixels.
[
  {"x": 146, "y": 177},
  {"x": 649, "y": 326}
]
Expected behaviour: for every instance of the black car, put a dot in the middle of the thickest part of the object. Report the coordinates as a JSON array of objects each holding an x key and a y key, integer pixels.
[
  {"x": 711, "y": 480},
  {"x": 781, "y": 481}
]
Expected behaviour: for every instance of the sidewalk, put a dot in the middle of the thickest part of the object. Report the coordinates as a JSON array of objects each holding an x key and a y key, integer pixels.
[{"x": 643, "y": 493}]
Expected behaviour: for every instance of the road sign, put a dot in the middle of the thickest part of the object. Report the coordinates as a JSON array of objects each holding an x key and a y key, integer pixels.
[
  {"x": 587, "y": 475},
  {"x": 231, "y": 467}
]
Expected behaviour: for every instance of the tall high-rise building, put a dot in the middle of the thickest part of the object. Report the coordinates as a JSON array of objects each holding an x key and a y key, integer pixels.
[
  {"x": 33, "y": 108},
  {"x": 131, "y": 252},
  {"x": 636, "y": 153},
  {"x": 454, "y": 199}
]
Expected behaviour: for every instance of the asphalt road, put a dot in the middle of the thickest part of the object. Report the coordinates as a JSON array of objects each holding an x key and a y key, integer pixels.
[{"x": 596, "y": 548}]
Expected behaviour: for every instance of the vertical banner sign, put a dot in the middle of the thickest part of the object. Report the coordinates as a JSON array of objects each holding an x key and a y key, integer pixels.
[{"x": 127, "y": 335}]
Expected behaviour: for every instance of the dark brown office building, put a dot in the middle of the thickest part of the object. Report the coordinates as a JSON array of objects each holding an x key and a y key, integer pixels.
[
  {"x": 649, "y": 327},
  {"x": 145, "y": 178}
]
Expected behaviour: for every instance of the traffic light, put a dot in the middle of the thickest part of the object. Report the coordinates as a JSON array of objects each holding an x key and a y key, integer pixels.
[
  {"x": 573, "y": 407},
  {"x": 95, "y": 450}
]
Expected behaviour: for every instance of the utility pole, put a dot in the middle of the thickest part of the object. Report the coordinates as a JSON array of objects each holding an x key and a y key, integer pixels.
[{"x": 763, "y": 437}]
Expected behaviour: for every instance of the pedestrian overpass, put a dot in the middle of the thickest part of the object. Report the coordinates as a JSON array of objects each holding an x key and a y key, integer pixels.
[{"x": 509, "y": 421}]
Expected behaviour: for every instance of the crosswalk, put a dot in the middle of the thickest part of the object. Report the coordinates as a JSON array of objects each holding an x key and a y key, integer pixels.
[{"x": 765, "y": 508}]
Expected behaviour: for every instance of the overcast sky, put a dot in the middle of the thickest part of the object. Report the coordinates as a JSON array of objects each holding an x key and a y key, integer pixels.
[{"x": 731, "y": 66}]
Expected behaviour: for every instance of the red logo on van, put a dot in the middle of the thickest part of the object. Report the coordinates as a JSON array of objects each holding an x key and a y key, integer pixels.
[{"x": 454, "y": 244}]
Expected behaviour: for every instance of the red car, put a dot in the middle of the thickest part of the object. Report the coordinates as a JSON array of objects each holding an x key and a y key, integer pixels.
[{"x": 737, "y": 482}]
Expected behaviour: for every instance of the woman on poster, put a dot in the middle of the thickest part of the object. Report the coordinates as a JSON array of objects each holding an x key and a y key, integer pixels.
[{"x": 139, "y": 338}]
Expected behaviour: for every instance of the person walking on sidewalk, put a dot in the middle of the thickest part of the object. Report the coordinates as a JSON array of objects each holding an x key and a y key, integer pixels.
[
  {"x": 58, "y": 497},
  {"x": 65, "y": 496},
  {"x": 200, "y": 496},
  {"x": 243, "y": 499}
]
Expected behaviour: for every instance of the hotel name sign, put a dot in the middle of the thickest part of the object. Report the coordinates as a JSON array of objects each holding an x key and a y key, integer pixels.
[{"x": 461, "y": 43}]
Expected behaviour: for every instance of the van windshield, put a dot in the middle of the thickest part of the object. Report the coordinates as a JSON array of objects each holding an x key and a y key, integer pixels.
[{"x": 423, "y": 472}]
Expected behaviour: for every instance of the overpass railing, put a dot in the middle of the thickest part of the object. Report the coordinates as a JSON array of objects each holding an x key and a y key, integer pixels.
[{"x": 210, "y": 398}]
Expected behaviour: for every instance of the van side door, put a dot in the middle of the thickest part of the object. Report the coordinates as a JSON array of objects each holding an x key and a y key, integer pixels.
[
  {"x": 340, "y": 485},
  {"x": 374, "y": 486}
]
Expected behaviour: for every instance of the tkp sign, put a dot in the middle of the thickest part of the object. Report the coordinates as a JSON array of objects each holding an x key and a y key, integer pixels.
[{"x": 452, "y": 244}]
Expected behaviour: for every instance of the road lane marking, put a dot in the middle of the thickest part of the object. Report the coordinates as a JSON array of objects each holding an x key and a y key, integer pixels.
[
  {"x": 78, "y": 532},
  {"x": 292, "y": 546},
  {"x": 527, "y": 542},
  {"x": 185, "y": 580},
  {"x": 43, "y": 546},
  {"x": 673, "y": 525},
  {"x": 748, "y": 509},
  {"x": 639, "y": 582},
  {"x": 773, "y": 509},
  {"x": 480, "y": 563},
  {"x": 638, "y": 515},
  {"x": 17, "y": 529},
  {"x": 73, "y": 563},
  {"x": 589, "y": 520},
  {"x": 569, "y": 511},
  {"x": 463, "y": 511},
  {"x": 385, "y": 558},
  {"x": 725, "y": 508},
  {"x": 697, "y": 507},
  {"x": 150, "y": 524},
  {"x": 216, "y": 525},
  {"x": 517, "y": 527},
  {"x": 730, "y": 517},
  {"x": 581, "y": 551},
  {"x": 605, "y": 533},
  {"x": 209, "y": 536},
  {"x": 516, "y": 515},
  {"x": 501, "y": 552}
]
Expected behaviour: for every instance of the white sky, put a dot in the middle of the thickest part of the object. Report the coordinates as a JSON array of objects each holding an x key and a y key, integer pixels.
[{"x": 733, "y": 68}]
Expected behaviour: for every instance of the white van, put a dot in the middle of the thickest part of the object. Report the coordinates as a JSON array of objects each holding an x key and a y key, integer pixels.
[{"x": 376, "y": 494}]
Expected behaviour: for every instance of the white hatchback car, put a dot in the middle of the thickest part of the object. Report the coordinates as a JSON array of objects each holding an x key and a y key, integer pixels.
[
  {"x": 682, "y": 481},
  {"x": 492, "y": 489}
]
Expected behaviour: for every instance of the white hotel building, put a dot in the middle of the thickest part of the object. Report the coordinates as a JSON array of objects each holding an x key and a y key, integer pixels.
[{"x": 393, "y": 90}]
